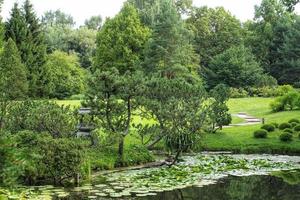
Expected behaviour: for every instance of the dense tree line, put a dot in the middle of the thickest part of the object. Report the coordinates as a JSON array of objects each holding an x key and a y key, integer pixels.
[{"x": 218, "y": 48}]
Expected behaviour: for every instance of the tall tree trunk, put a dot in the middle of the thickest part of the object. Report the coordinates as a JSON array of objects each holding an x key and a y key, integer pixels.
[{"x": 121, "y": 151}]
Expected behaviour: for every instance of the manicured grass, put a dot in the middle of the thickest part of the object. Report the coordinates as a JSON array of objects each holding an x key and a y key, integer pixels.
[
  {"x": 237, "y": 120},
  {"x": 260, "y": 108},
  {"x": 240, "y": 139}
]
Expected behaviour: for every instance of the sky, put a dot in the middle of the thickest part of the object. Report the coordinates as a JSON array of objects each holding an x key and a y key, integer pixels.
[{"x": 84, "y": 9}]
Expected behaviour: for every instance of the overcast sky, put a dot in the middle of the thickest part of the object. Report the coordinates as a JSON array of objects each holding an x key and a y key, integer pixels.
[{"x": 83, "y": 9}]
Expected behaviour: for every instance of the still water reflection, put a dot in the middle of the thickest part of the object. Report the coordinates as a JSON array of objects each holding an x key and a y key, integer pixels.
[
  {"x": 237, "y": 188},
  {"x": 281, "y": 186}
]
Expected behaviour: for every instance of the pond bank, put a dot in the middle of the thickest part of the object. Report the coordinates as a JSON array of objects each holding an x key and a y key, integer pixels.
[{"x": 193, "y": 172}]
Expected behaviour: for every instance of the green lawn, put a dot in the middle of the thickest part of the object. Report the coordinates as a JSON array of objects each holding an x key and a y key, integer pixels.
[
  {"x": 240, "y": 139},
  {"x": 260, "y": 108}
]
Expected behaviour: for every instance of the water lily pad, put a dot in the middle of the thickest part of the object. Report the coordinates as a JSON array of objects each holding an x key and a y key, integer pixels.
[
  {"x": 101, "y": 194},
  {"x": 100, "y": 185},
  {"x": 115, "y": 195}
]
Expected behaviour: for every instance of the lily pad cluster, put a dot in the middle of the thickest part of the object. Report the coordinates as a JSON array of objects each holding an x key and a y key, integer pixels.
[{"x": 192, "y": 171}]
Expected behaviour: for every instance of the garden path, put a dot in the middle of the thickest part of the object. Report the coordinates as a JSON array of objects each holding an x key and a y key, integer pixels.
[{"x": 249, "y": 120}]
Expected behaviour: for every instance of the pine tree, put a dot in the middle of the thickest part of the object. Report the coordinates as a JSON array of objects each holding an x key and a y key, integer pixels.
[
  {"x": 13, "y": 81},
  {"x": 15, "y": 28},
  {"x": 169, "y": 50},
  {"x": 1, "y": 27},
  {"x": 36, "y": 51},
  {"x": 25, "y": 30}
]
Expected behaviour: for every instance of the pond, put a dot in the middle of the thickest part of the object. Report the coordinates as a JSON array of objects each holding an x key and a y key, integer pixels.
[{"x": 201, "y": 176}]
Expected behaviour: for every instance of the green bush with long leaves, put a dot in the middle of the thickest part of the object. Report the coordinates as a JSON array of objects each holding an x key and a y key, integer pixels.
[
  {"x": 38, "y": 158},
  {"x": 41, "y": 116}
]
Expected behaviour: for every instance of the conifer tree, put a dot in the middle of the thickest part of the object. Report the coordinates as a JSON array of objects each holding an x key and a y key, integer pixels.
[
  {"x": 25, "y": 29},
  {"x": 13, "y": 81},
  {"x": 15, "y": 28},
  {"x": 36, "y": 50},
  {"x": 1, "y": 27},
  {"x": 169, "y": 50}
]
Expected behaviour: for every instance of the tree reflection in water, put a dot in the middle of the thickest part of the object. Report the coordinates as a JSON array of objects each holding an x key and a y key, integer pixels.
[{"x": 237, "y": 188}]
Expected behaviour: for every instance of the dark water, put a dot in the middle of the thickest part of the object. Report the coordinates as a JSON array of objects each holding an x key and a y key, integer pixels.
[
  {"x": 237, "y": 188},
  {"x": 284, "y": 186}
]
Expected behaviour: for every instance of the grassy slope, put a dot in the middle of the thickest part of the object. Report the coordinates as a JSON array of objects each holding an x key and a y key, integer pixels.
[{"x": 240, "y": 139}]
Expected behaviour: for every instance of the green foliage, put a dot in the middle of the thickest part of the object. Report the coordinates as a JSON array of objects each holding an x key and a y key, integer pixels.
[
  {"x": 77, "y": 97},
  {"x": 286, "y": 137},
  {"x": 116, "y": 81},
  {"x": 60, "y": 35},
  {"x": 294, "y": 120},
  {"x": 137, "y": 154},
  {"x": 277, "y": 104},
  {"x": 294, "y": 124},
  {"x": 25, "y": 30},
  {"x": 238, "y": 93},
  {"x": 219, "y": 113},
  {"x": 289, "y": 101},
  {"x": 216, "y": 30},
  {"x": 67, "y": 78},
  {"x": 290, "y": 4},
  {"x": 262, "y": 133},
  {"x": 284, "y": 126},
  {"x": 169, "y": 50},
  {"x": 57, "y": 17},
  {"x": 115, "y": 101},
  {"x": 270, "y": 91},
  {"x": 63, "y": 159},
  {"x": 13, "y": 81},
  {"x": 286, "y": 68},
  {"x": 179, "y": 109},
  {"x": 235, "y": 67},
  {"x": 284, "y": 89},
  {"x": 83, "y": 42},
  {"x": 276, "y": 125},
  {"x": 40, "y": 158},
  {"x": 94, "y": 23},
  {"x": 297, "y": 128},
  {"x": 288, "y": 130},
  {"x": 120, "y": 42},
  {"x": 148, "y": 9},
  {"x": 2, "y": 31},
  {"x": 268, "y": 127},
  {"x": 39, "y": 117}
]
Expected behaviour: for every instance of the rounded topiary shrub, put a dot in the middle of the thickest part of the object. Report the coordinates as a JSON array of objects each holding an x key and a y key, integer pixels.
[
  {"x": 262, "y": 133},
  {"x": 268, "y": 127},
  {"x": 286, "y": 137},
  {"x": 284, "y": 126},
  {"x": 297, "y": 128},
  {"x": 276, "y": 125},
  {"x": 288, "y": 130},
  {"x": 294, "y": 120},
  {"x": 293, "y": 124}
]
